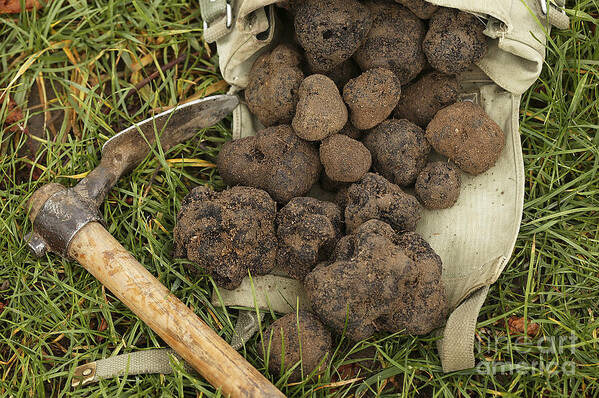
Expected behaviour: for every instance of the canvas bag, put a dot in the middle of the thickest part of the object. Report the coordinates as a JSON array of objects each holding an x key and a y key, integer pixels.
[{"x": 474, "y": 238}]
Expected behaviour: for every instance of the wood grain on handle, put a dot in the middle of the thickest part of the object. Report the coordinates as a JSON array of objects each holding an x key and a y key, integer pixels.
[{"x": 102, "y": 255}]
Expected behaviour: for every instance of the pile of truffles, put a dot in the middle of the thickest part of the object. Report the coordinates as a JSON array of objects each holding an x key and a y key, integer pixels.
[{"x": 357, "y": 101}]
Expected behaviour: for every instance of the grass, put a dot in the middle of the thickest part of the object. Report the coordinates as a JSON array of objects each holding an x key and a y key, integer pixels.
[{"x": 56, "y": 316}]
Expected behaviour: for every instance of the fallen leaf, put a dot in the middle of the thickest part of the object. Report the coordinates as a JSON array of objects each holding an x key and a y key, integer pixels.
[
  {"x": 14, "y": 6},
  {"x": 516, "y": 325}
]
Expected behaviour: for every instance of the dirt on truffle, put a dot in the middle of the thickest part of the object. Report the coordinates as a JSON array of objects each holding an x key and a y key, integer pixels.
[
  {"x": 330, "y": 30},
  {"x": 422, "y": 8},
  {"x": 272, "y": 90},
  {"x": 344, "y": 159},
  {"x": 394, "y": 42},
  {"x": 371, "y": 97},
  {"x": 227, "y": 233},
  {"x": 399, "y": 150},
  {"x": 421, "y": 100},
  {"x": 454, "y": 41},
  {"x": 467, "y": 135},
  {"x": 344, "y": 72},
  {"x": 293, "y": 338},
  {"x": 275, "y": 160},
  {"x": 379, "y": 281},
  {"x": 374, "y": 197},
  {"x": 438, "y": 185},
  {"x": 320, "y": 111},
  {"x": 308, "y": 230}
]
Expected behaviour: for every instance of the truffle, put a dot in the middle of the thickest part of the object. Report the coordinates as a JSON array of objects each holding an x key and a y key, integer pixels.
[
  {"x": 438, "y": 185},
  {"x": 394, "y": 42},
  {"x": 351, "y": 131},
  {"x": 379, "y": 281},
  {"x": 308, "y": 230},
  {"x": 294, "y": 338},
  {"x": 371, "y": 97},
  {"x": 344, "y": 159},
  {"x": 454, "y": 41},
  {"x": 272, "y": 90},
  {"x": 275, "y": 160},
  {"x": 467, "y": 135},
  {"x": 423, "y": 9},
  {"x": 376, "y": 198},
  {"x": 344, "y": 72},
  {"x": 320, "y": 111},
  {"x": 227, "y": 233},
  {"x": 399, "y": 150},
  {"x": 330, "y": 30},
  {"x": 421, "y": 100}
]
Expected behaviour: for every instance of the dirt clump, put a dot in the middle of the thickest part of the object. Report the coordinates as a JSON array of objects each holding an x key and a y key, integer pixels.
[
  {"x": 379, "y": 281},
  {"x": 394, "y": 41},
  {"x": 295, "y": 338},
  {"x": 399, "y": 150},
  {"x": 374, "y": 197},
  {"x": 371, "y": 97},
  {"x": 275, "y": 160},
  {"x": 467, "y": 135},
  {"x": 438, "y": 185},
  {"x": 454, "y": 41},
  {"x": 421, "y": 100},
  {"x": 330, "y": 31},
  {"x": 307, "y": 229},
  {"x": 344, "y": 159},
  {"x": 422, "y": 8},
  {"x": 272, "y": 90},
  {"x": 320, "y": 111},
  {"x": 227, "y": 233}
]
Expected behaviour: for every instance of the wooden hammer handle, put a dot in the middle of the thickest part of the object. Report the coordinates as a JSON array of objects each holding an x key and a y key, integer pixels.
[{"x": 102, "y": 255}]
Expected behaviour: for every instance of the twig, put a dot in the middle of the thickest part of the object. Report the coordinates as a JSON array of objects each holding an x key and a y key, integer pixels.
[{"x": 154, "y": 75}]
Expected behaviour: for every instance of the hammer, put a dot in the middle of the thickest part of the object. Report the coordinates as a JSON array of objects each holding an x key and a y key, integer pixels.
[{"x": 67, "y": 222}]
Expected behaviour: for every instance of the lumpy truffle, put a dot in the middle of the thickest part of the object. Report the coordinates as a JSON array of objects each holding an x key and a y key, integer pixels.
[
  {"x": 330, "y": 30},
  {"x": 394, "y": 42},
  {"x": 438, "y": 185},
  {"x": 467, "y": 135},
  {"x": 399, "y": 150},
  {"x": 275, "y": 160},
  {"x": 379, "y": 281},
  {"x": 422, "y": 8},
  {"x": 295, "y": 338},
  {"x": 454, "y": 41},
  {"x": 344, "y": 159},
  {"x": 228, "y": 233},
  {"x": 376, "y": 198},
  {"x": 307, "y": 229},
  {"x": 421, "y": 100},
  {"x": 272, "y": 91},
  {"x": 371, "y": 97},
  {"x": 320, "y": 111}
]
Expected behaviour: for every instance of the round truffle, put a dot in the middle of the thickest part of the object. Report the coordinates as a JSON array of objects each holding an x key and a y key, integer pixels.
[
  {"x": 399, "y": 150},
  {"x": 423, "y": 9},
  {"x": 307, "y": 229},
  {"x": 421, "y": 100},
  {"x": 394, "y": 42},
  {"x": 371, "y": 97},
  {"x": 438, "y": 185},
  {"x": 344, "y": 159},
  {"x": 272, "y": 90},
  {"x": 320, "y": 111},
  {"x": 294, "y": 338},
  {"x": 275, "y": 160},
  {"x": 454, "y": 41},
  {"x": 330, "y": 30},
  {"x": 374, "y": 197},
  {"x": 228, "y": 234},
  {"x": 467, "y": 135}
]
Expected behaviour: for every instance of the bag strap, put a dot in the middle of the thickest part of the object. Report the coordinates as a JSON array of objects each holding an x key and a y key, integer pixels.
[{"x": 218, "y": 18}]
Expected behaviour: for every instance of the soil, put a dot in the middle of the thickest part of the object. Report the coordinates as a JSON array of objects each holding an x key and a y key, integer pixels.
[
  {"x": 467, "y": 135},
  {"x": 275, "y": 160},
  {"x": 344, "y": 159},
  {"x": 227, "y": 234}
]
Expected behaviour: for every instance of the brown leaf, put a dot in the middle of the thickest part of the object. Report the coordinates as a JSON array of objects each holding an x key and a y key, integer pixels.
[
  {"x": 516, "y": 325},
  {"x": 14, "y": 6}
]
